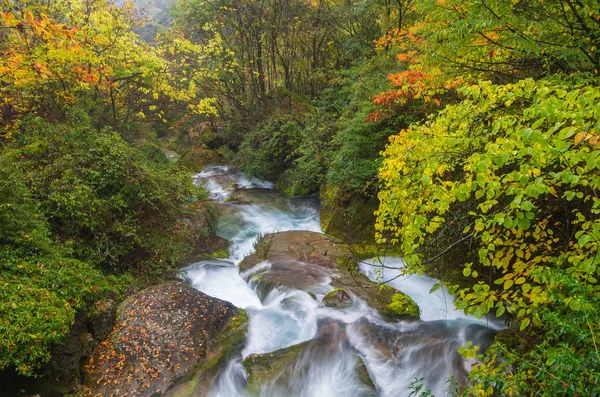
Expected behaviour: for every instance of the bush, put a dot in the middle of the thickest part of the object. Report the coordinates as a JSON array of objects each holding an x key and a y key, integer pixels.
[
  {"x": 40, "y": 288},
  {"x": 524, "y": 159},
  {"x": 104, "y": 200},
  {"x": 79, "y": 209},
  {"x": 268, "y": 150}
]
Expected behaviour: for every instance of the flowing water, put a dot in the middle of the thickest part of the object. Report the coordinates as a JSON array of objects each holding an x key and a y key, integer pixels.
[{"x": 344, "y": 352}]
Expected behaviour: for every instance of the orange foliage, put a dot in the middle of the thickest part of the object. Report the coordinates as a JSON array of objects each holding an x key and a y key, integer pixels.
[
  {"x": 39, "y": 55},
  {"x": 420, "y": 88}
]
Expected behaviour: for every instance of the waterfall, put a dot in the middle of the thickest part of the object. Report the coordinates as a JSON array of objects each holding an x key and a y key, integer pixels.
[{"x": 335, "y": 346}]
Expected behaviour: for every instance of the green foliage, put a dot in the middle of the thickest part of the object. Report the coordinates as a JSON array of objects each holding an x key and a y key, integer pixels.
[
  {"x": 359, "y": 141},
  {"x": 417, "y": 388},
  {"x": 290, "y": 150},
  {"x": 331, "y": 142},
  {"x": 560, "y": 358},
  {"x": 39, "y": 298},
  {"x": 311, "y": 157},
  {"x": 513, "y": 39},
  {"x": 524, "y": 158},
  {"x": 22, "y": 224},
  {"x": 103, "y": 199},
  {"x": 73, "y": 201},
  {"x": 267, "y": 150},
  {"x": 40, "y": 286}
]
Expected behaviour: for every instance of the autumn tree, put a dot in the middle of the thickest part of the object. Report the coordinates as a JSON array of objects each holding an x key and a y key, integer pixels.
[{"x": 62, "y": 53}]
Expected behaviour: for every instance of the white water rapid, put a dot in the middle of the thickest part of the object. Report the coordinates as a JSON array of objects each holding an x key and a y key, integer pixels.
[{"x": 349, "y": 352}]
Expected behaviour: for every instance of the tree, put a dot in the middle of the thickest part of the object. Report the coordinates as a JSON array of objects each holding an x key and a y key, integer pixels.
[
  {"x": 508, "y": 40},
  {"x": 54, "y": 56},
  {"x": 523, "y": 160}
]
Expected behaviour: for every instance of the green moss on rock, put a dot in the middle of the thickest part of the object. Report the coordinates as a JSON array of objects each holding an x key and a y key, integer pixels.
[
  {"x": 337, "y": 298},
  {"x": 402, "y": 306},
  {"x": 265, "y": 368}
]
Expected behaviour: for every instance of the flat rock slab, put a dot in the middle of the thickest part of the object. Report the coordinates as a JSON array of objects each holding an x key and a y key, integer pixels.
[
  {"x": 161, "y": 334},
  {"x": 302, "y": 259}
]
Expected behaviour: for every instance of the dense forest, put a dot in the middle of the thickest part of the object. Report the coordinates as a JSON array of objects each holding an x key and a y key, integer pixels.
[{"x": 462, "y": 135}]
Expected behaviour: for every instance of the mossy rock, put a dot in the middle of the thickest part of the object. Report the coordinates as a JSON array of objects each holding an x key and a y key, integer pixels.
[
  {"x": 340, "y": 215},
  {"x": 102, "y": 317},
  {"x": 265, "y": 368},
  {"x": 303, "y": 259},
  {"x": 338, "y": 298},
  {"x": 199, "y": 381},
  {"x": 284, "y": 368},
  {"x": 213, "y": 247},
  {"x": 402, "y": 305}
]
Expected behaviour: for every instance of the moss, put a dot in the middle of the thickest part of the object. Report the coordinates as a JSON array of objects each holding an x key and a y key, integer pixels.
[
  {"x": 363, "y": 374},
  {"x": 257, "y": 278},
  {"x": 367, "y": 250},
  {"x": 340, "y": 215},
  {"x": 346, "y": 263},
  {"x": 337, "y": 298},
  {"x": 263, "y": 246},
  {"x": 220, "y": 254},
  {"x": 402, "y": 305},
  {"x": 234, "y": 324}
]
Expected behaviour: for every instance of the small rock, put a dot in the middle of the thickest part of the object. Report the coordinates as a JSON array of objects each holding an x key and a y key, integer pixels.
[
  {"x": 337, "y": 298},
  {"x": 102, "y": 318}
]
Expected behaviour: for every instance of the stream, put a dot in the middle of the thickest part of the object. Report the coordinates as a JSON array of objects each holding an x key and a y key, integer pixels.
[{"x": 336, "y": 343}]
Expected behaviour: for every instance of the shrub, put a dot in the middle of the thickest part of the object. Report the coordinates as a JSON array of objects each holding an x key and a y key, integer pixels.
[
  {"x": 40, "y": 287},
  {"x": 524, "y": 159},
  {"x": 104, "y": 200}
]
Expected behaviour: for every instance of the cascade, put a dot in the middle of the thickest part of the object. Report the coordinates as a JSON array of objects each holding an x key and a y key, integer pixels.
[{"x": 335, "y": 345}]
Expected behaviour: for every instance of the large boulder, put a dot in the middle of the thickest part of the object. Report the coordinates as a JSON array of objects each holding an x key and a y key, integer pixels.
[
  {"x": 162, "y": 334},
  {"x": 303, "y": 259}
]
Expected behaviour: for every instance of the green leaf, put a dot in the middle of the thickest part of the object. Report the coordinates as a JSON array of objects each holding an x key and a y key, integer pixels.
[
  {"x": 436, "y": 286},
  {"x": 500, "y": 311},
  {"x": 524, "y": 323}
]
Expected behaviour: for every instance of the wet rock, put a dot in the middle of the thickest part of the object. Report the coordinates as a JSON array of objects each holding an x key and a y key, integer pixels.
[
  {"x": 65, "y": 369},
  {"x": 288, "y": 370},
  {"x": 340, "y": 217},
  {"x": 303, "y": 259},
  {"x": 265, "y": 368},
  {"x": 211, "y": 247},
  {"x": 337, "y": 298},
  {"x": 162, "y": 334},
  {"x": 102, "y": 318},
  {"x": 258, "y": 196},
  {"x": 430, "y": 348}
]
